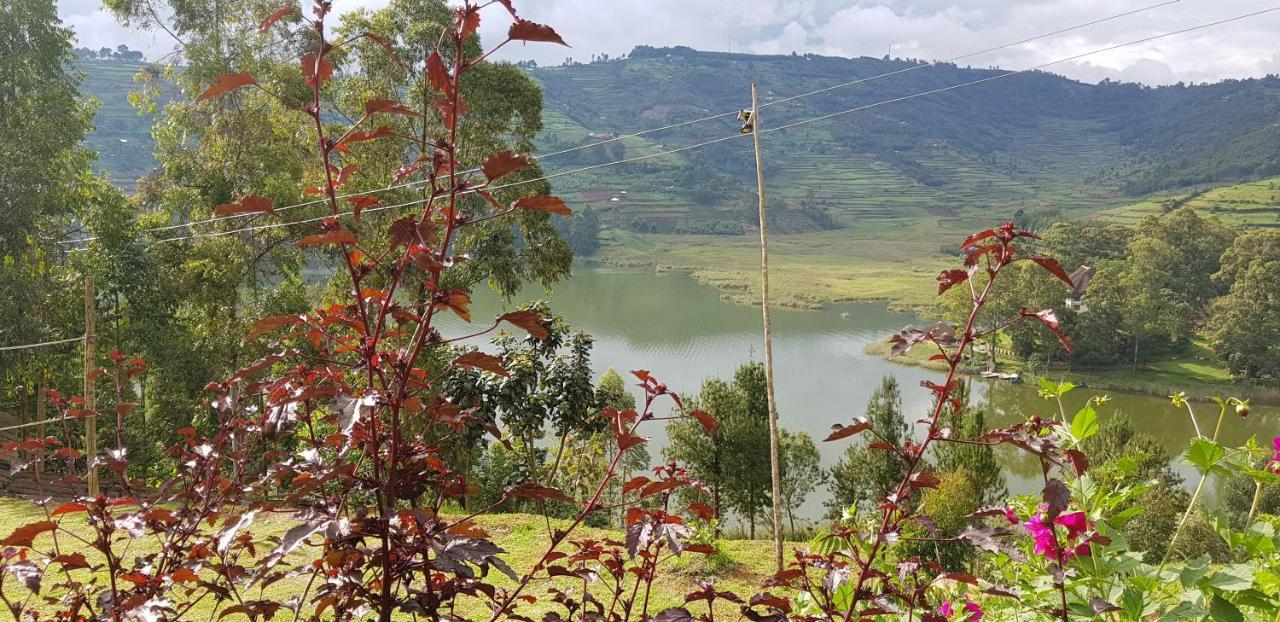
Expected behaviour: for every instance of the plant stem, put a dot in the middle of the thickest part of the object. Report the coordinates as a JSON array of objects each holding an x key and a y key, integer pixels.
[
  {"x": 1195, "y": 498},
  {"x": 1253, "y": 508}
]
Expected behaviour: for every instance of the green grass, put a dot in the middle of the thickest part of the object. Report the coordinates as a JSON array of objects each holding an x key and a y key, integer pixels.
[
  {"x": 742, "y": 566},
  {"x": 895, "y": 261}
]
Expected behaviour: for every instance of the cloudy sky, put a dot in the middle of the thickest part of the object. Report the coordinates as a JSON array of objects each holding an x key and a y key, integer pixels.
[{"x": 925, "y": 29}]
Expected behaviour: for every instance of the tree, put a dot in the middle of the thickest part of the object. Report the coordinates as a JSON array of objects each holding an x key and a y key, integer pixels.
[
  {"x": 732, "y": 462},
  {"x": 1244, "y": 325},
  {"x": 749, "y": 481},
  {"x": 978, "y": 462},
  {"x": 706, "y": 455},
  {"x": 802, "y": 471},
  {"x": 864, "y": 475}
]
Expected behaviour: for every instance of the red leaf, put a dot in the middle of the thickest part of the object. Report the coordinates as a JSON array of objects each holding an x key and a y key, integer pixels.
[
  {"x": 708, "y": 422},
  {"x": 659, "y": 487},
  {"x": 316, "y": 73},
  {"x": 1050, "y": 319},
  {"x": 459, "y": 302},
  {"x": 635, "y": 483},
  {"x": 275, "y": 17},
  {"x": 227, "y": 82},
  {"x": 468, "y": 21},
  {"x": 530, "y": 321},
  {"x": 951, "y": 278},
  {"x": 266, "y": 325},
  {"x": 537, "y": 492},
  {"x": 341, "y": 236},
  {"x": 1057, "y": 497},
  {"x": 977, "y": 237},
  {"x": 502, "y": 164},
  {"x": 359, "y": 137},
  {"x": 925, "y": 479},
  {"x": 511, "y": 9},
  {"x": 544, "y": 203},
  {"x": 26, "y": 534},
  {"x": 249, "y": 204},
  {"x": 387, "y": 106},
  {"x": 480, "y": 360},
  {"x": 438, "y": 75},
  {"x": 73, "y": 561},
  {"x": 844, "y": 431},
  {"x": 68, "y": 508},
  {"x": 525, "y": 30},
  {"x": 391, "y": 51},
  {"x": 1054, "y": 268},
  {"x": 702, "y": 511},
  {"x": 184, "y": 575}
]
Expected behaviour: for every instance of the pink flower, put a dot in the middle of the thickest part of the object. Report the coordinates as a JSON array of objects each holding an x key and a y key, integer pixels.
[
  {"x": 974, "y": 610},
  {"x": 1010, "y": 516},
  {"x": 1075, "y": 543},
  {"x": 1274, "y": 465}
]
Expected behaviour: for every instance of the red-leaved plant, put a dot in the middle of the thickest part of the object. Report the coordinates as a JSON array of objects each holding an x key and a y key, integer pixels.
[{"x": 344, "y": 430}]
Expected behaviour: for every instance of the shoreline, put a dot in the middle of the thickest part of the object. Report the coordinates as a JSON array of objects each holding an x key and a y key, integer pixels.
[{"x": 1107, "y": 379}]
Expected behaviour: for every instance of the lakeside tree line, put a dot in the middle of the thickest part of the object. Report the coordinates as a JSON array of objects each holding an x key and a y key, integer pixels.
[{"x": 1157, "y": 289}]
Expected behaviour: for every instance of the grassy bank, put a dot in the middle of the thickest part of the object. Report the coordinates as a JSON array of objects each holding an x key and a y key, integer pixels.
[
  {"x": 742, "y": 566},
  {"x": 896, "y": 261},
  {"x": 1194, "y": 371}
]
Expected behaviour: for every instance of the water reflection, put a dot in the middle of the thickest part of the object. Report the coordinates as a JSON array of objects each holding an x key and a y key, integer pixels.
[{"x": 684, "y": 333}]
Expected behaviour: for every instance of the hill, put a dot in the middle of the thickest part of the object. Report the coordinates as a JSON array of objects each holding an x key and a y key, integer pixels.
[
  {"x": 1034, "y": 142},
  {"x": 873, "y": 195},
  {"x": 121, "y": 135}
]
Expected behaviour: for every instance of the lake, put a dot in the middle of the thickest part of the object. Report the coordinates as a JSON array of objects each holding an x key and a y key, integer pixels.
[{"x": 683, "y": 333}]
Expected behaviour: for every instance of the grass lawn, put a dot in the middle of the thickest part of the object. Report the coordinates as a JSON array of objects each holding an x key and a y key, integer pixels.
[{"x": 742, "y": 566}]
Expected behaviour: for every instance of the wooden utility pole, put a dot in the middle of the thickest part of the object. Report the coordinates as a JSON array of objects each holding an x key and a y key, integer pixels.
[
  {"x": 774, "y": 467},
  {"x": 90, "y": 401}
]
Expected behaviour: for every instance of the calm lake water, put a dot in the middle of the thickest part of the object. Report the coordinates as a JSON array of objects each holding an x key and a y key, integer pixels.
[{"x": 683, "y": 333}]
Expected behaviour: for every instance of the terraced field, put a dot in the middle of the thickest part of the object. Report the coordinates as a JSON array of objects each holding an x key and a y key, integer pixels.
[{"x": 1254, "y": 204}]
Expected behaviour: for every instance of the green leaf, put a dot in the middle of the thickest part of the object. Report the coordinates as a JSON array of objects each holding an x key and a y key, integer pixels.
[
  {"x": 1084, "y": 424},
  {"x": 1051, "y": 390},
  {"x": 1193, "y": 571},
  {"x": 1234, "y": 578},
  {"x": 1204, "y": 454},
  {"x": 1221, "y": 610},
  {"x": 1132, "y": 603}
]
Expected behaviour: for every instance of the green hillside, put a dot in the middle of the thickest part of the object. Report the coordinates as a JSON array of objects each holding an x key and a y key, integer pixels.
[
  {"x": 1034, "y": 142},
  {"x": 121, "y": 135},
  {"x": 864, "y": 193}
]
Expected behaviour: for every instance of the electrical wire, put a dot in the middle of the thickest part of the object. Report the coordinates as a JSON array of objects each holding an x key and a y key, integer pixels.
[{"x": 32, "y": 346}]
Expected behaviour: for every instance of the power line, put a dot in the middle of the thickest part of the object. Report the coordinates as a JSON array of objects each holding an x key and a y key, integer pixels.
[
  {"x": 764, "y": 131},
  {"x": 672, "y": 126},
  {"x": 32, "y": 346},
  {"x": 1027, "y": 70}
]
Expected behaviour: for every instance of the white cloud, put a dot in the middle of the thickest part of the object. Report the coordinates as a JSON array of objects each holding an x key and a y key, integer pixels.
[{"x": 926, "y": 29}]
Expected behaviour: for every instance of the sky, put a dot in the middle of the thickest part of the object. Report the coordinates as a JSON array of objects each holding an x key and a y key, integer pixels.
[{"x": 922, "y": 29}]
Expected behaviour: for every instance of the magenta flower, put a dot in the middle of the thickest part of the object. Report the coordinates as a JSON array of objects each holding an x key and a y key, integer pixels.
[
  {"x": 1075, "y": 543},
  {"x": 974, "y": 610}
]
